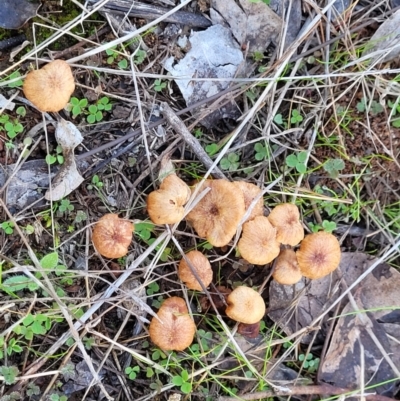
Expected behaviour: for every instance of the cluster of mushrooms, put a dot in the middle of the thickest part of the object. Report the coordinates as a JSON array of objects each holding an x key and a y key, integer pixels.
[{"x": 216, "y": 217}]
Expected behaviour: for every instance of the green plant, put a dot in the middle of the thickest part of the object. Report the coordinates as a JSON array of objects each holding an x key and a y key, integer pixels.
[
  {"x": 152, "y": 288},
  {"x": 298, "y": 161},
  {"x": 278, "y": 119},
  {"x": 12, "y": 127},
  {"x": 9, "y": 373},
  {"x": 65, "y": 206},
  {"x": 7, "y": 227},
  {"x": 18, "y": 82},
  {"x": 21, "y": 111},
  {"x": 56, "y": 157},
  {"x": 182, "y": 382},
  {"x": 95, "y": 183},
  {"x": 77, "y": 106},
  {"x": 230, "y": 162},
  {"x": 32, "y": 389},
  {"x": 296, "y": 117},
  {"x": 212, "y": 149},
  {"x": 262, "y": 152},
  {"x": 258, "y": 56},
  {"x": 144, "y": 230},
  {"x": 374, "y": 107},
  {"x": 58, "y": 397},
  {"x": 89, "y": 342},
  {"x": 139, "y": 57},
  {"x": 328, "y": 226},
  {"x": 132, "y": 372},
  {"x": 333, "y": 167},
  {"x": 159, "y": 85},
  {"x": 309, "y": 362},
  {"x": 96, "y": 110},
  {"x": 113, "y": 54},
  {"x": 80, "y": 216}
]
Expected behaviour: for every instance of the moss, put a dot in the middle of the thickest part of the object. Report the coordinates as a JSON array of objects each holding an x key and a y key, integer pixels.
[{"x": 60, "y": 16}]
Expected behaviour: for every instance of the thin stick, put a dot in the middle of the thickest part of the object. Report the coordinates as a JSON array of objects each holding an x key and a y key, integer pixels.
[{"x": 180, "y": 128}]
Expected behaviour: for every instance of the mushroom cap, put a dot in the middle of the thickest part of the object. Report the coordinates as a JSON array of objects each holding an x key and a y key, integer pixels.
[
  {"x": 286, "y": 218},
  {"x": 166, "y": 205},
  {"x": 174, "y": 329},
  {"x": 250, "y": 191},
  {"x": 202, "y": 267},
  {"x": 245, "y": 305},
  {"x": 172, "y": 183},
  {"x": 51, "y": 87},
  {"x": 287, "y": 270},
  {"x": 258, "y": 244},
  {"x": 319, "y": 255},
  {"x": 218, "y": 213},
  {"x": 112, "y": 236}
]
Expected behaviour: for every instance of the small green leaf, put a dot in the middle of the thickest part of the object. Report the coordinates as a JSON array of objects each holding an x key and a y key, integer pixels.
[
  {"x": 91, "y": 119},
  {"x": 278, "y": 119},
  {"x": 9, "y": 373},
  {"x": 212, "y": 149},
  {"x": 15, "y": 283},
  {"x": 302, "y": 157},
  {"x": 177, "y": 380},
  {"x": 291, "y": 160},
  {"x": 50, "y": 159},
  {"x": 49, "y": 261},
  {"x": 186, "y": 388},
  {"x": 301, "y": 168}
]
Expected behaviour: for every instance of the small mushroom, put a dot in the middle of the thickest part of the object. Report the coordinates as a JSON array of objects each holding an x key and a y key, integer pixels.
[
  {"x": 286, "y": 269},
  {"x": 173, "y": 329},
  {"x": 319, "y": 255},
  {"x": 112, "y": 236},
  {"x": 250, "y": 191},
  {"x": 51, "y": 87},
  {"x": 245, "y": 305},
  {"x": 218, "y": 213},
  {"x": 202, "y": 267},
  {"x": 166, "y": 205},
  {"x": 258, "y": 244},
  {"x": 286, "y": 218}
]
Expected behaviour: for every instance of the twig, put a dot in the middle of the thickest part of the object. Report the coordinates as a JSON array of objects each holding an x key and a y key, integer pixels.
[
  {"x": 320, "y": 390},
  {"x": 180, "y": 128},
  {"x": 150, "y": 11}
]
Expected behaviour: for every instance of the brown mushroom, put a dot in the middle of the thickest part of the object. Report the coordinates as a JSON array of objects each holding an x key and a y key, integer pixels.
[
  {"x": 166, "y": 205},
  {"x": 319, "y": 255},
  {"x": 250, "y": 191},
  {"x": 174, "y": 329},
  {"x": 286, "y": 269},
  {"x": 202, "y": 267},
  {"x": 51, "y": 87},
  {"x": 112, "y": 236},
  {"x": 286, "y": 219},
  {"x": 245, "y": 305},
  {"x": 218, "y": 213},
  {"x": 258, "y": 244}
]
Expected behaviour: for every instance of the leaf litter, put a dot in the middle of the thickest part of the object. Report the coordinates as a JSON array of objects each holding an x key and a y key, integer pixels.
[{"x": 369, "y": 323}]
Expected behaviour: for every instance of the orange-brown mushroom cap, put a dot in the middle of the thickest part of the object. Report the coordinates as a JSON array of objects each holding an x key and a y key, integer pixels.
[
  {"x": 166, "y": 205},
  {"x": 250, "y": 191},
  {"x": 112, "y": 236},
  {"x": 51, "y": 87},
  {"x": 286, "y": 269},
  {"x": 174, "y": 329},
  {"x": 218, "y": 213},
  {"x": 245, "y": 305},
  {"x": 286, "y": 218},
  {"x": 258, "y": 244},
  {"x": 319, "y": 255},
  {"x": 202, "y": 267}
]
